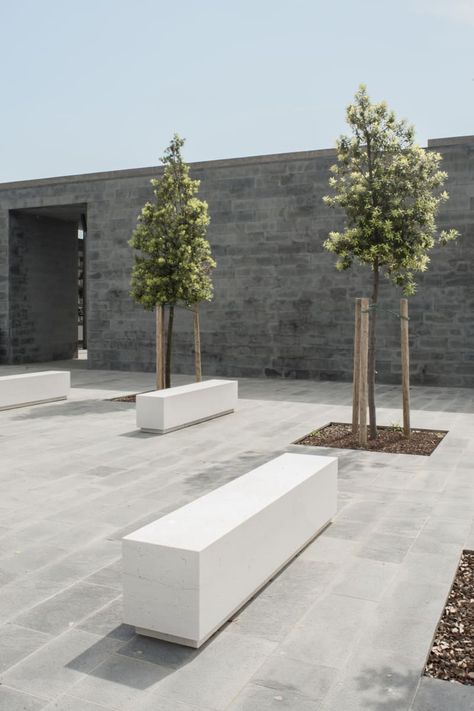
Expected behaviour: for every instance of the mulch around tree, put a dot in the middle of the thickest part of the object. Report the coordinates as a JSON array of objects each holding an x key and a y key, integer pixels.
[
  {"x": 390, "y": 439},
  {"x": 129, "y": 398},
  {"x": 452, "y": 654}
]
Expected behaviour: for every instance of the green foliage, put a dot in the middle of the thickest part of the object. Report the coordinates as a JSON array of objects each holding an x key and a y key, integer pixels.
[
  {"x": 175, "y": 263},
  {"x": 390, "y": 190}
]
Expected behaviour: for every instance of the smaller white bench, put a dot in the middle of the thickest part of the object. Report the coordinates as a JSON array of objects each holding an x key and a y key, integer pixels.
[
  {"x": 33, "y": 388},
  {"x": 185, "y": 574},
  {"x": 163, "y": 411}
]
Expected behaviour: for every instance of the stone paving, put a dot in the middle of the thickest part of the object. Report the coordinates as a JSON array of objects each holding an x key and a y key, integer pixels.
[{"x": 346, "y": 626}]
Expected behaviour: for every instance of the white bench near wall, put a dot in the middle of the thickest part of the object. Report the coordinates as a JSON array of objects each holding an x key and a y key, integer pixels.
[
  {"x": 163, "y": 411},
  {"x": 33, "y": 388},
  {"x": 188, "y": 572}
]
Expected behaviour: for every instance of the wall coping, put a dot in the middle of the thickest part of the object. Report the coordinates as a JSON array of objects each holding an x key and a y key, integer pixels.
[{"x": 221, "y": 163}]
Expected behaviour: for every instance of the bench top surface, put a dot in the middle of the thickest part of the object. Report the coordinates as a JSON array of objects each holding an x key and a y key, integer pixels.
[
  {"x": 198, "y": 524},
  {"x": 20, "y": 376},
  {"x": 182, "y": 389}
]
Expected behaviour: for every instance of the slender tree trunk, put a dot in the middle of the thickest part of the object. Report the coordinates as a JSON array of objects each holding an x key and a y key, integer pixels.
[
  {"x": 169, "y": 344},
  {"x": 159, "y": 347},
  {"x": 371, "y": 358},
  {"x": 356, "y": 370},
  {"x": 405, "y": 348},
  {"x": 197, "y": 344}
]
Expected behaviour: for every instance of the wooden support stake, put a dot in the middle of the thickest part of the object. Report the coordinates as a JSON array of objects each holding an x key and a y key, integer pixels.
[
  {"x": 356, "y": 370},
  {"x": 364, "y": 355},
  {"x": 197, "y": 344},
  {"x": 159, "y": 347},
  {"x": 163, "y": 340},
  {"x": 405, "y": 366}
]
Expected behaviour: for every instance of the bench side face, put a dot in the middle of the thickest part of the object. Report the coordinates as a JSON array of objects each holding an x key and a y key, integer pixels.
[
  {"x": 34, "y": 387},
  {"x": 160, "y": 589},
  {"x": 235, "y": 567},
  {"x": 163, "y": 411}
]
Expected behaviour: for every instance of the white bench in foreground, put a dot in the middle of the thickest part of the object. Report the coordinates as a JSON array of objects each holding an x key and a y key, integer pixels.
[
  {"x": 33, "y": 388},
  {"x": 163, "y": 411},
  {"x": 188, "y": 572}
]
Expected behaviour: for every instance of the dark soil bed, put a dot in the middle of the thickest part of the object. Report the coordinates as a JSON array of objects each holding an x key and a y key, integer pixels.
[
  {"x": 452, "y": 654},
  {"x": 128, "y": 398},
  {"x": 389, "y": 439}
]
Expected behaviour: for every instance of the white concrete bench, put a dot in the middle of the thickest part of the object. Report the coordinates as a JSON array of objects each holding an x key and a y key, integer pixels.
[
  {"x": 33, "y": 388},
  {"x": 163, "y": 411},
  {"x": 188, "y": 572}
]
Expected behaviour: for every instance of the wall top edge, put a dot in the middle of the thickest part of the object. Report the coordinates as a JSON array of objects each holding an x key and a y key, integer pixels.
[
  {"x": 450, "y": 141},
  {"x": 221, "y": 163},
  {"x": 156, "y": 170}
]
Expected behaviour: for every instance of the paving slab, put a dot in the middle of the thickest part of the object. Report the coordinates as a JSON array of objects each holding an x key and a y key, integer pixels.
[{"x": 346, "y": 625}]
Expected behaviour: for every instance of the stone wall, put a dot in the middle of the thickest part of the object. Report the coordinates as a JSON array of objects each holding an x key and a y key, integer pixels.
[{"x": 280, "y": 307}]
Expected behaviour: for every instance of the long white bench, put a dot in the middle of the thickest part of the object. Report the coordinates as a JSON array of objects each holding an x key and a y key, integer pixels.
[
  {"x": 163, "y": 411},
  {"x": 33, "y": 388},
  {"x": 188, "y": 572}
]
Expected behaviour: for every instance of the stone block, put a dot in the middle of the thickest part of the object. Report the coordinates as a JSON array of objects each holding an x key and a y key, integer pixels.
[
  {"x": 188, "y": 572},
  {"x": 163, "y": 411},
  {"x": 33, "y": 388}
]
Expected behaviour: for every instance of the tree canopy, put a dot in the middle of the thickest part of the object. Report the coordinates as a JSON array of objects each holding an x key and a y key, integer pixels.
[
  {"x": 390, "y": 190},
  {"x": 175, "y": 263}
]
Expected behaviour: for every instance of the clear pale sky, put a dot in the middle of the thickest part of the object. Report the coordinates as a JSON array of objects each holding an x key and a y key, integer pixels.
[{"x": 95, "y": 85}]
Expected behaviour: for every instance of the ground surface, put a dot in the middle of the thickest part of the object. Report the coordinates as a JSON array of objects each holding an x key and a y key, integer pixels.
[{"x": 347, "y": 626}]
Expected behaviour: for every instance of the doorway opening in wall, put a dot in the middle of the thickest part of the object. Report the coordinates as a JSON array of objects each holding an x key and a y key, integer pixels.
[
  {"x": 81, "y": 289},
  {"x": 48, "y": 283}
]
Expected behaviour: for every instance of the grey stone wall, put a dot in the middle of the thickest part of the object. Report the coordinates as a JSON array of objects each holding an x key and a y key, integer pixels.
[
  {"x": 280, "y": 307},
  {"x": 43, "y": 288}
]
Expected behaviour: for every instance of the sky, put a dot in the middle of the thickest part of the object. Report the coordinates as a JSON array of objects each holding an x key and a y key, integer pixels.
[{"x": 101, "y": 85}]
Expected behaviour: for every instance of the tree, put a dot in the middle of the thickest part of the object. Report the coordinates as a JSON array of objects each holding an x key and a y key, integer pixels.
[
  {"x": 390, "y": 189},
  {"x": 175, "y": 264}
]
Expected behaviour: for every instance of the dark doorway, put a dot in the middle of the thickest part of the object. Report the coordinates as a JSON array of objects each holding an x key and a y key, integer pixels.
[{"x": 47, "y": 300}]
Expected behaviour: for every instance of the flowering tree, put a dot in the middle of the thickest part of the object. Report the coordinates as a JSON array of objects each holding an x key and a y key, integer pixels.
[
  {"x": 390, "y": 190},
  {"x": 175, "y": 262}
]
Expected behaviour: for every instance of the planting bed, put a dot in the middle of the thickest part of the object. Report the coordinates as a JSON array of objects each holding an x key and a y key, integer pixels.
[
  {"x": 452, "y": 653},
  {"x": 389, "y": 439}
]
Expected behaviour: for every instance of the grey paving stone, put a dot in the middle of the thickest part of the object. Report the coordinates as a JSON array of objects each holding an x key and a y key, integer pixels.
[
  {"x": 328, "y": 632},
  {"x": 329, "y": 549},
  {"x": 108, "y": 622},
  {"x": 386, "y": 547},
  {"x": 67, "y": 608},
  {"x": 439, "y": 695},
  {"x": 282, "y": 673},
  {"x": 261, "y": 698},
  {"x": 70, "y": 703},
  {"x": 367, "y": 579},
  {"x": 216, "y": 675},
  {"x": 12, "y": 700},
  {"x": 155, "y": 651},
  {"x": 51, "y": 670},
  {"x": 18, "y": 642},
  {"x": 279, "y": 606},
  {"x": 120, "y": 682},
  {"x": 109, "y": 575}
]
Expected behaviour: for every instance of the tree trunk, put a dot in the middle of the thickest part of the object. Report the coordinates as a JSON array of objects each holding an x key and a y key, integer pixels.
[
  {"x": 356, "y": 369},
  {"x": 371, "y": 357},
  {"x": 405, "y": 367},
  {"x": 169, "y": 344},
  {"x": 159, "y": 347},
  {"x": 197, "y": 344},
  {"x": 364, "y": 352}
]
